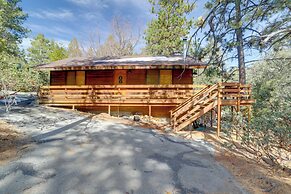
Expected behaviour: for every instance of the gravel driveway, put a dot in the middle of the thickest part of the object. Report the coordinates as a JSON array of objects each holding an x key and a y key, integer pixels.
[{"x": 72, "y": 153}]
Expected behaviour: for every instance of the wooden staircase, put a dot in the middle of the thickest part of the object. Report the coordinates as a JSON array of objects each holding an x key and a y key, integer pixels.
[
  {"x": 194, "y": 107},
  {"x": 210, "y": 97}
]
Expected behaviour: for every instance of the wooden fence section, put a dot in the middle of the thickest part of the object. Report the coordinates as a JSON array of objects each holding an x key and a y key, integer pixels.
[{"x": 121, "y": 95}]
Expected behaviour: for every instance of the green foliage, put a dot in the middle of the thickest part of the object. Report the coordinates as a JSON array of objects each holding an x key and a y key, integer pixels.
[
  {"x": 272, "y": 91},
  {"x": 164, "y": 33},
  {"x": 211, "y": 75},
  {"x": 20, "y": 74},
  {"x": 11, "y": 29},
  {"x": 269, "y": 132},
  {"x": 40, "y": 50},
  {"x": 17, "y": 74},
  {"x": 232, "y": 27},
  {"x": 57, "y": 52}
]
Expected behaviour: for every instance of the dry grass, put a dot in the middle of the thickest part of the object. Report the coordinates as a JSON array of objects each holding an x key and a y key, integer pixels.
[
  {"x": 9, "y": 142},
  {"x": 254, "y": 175}
]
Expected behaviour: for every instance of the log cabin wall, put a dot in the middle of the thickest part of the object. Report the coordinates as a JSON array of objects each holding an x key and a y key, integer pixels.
[
  {"x": 136, "y": 77},
  {"x": 58, "y": 78},
  {"x": 100, "y": 77},
  {"x": 181, "y": 76},
  {"x": 125, "y": 77}
]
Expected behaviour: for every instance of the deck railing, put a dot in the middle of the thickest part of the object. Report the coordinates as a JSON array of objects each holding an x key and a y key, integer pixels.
[
  {"x": 92, "y": 95},
  {"x": 138, "y": 95}
]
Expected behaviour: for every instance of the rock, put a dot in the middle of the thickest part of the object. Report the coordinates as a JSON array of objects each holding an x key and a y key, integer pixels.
[
  {"x": 168, "y": 129},
  {"x": 136, "y": 118}
]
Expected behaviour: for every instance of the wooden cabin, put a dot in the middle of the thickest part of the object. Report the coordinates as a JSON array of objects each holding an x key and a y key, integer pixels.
[{"x": 155, "y": 86}]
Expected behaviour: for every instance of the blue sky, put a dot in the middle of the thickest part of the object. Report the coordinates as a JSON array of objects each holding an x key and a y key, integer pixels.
[{"x": 62, "y": 20}]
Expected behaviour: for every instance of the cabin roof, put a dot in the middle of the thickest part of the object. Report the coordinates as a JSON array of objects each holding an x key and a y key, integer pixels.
[{"x": 157, "y": 62}]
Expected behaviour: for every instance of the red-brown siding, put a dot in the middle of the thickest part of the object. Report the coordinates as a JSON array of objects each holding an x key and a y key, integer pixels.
[
  {"x": 136, "y": 77},
  {"x": 181, "y": 76},
  {"x": 58, "y": 78},
  {"x": 100, "y": 77}
]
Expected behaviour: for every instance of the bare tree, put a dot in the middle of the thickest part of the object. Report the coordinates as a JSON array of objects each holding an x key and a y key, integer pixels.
[
  {"x": 121, "y": 42},
  {"x": 9, "y": 98},
  {"x": 124, "y": 36}
]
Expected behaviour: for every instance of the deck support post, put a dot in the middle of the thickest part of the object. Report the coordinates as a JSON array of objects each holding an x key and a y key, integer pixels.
[
  {"x": 118, "y": 111},
  {"x": 218, "y": 110},
  {"x": 150, "y": 111},
  {"x": 73, "y": 107},
  {"x": 232, "y": 110},
  {"x": 218, "y": 120},
  {"x": 211, "y": 118},
  {"x": 109, "y": 109},
  {"x": 249, "y": 113}
]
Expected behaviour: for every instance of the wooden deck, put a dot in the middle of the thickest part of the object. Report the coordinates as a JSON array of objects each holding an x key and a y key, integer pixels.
[
  {"x": 117, "y": 95},
  {"x": 137, "y": 95},
  {"x": 183, "y": 103}
]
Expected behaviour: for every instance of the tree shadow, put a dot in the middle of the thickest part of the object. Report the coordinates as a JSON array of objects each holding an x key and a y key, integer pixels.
[{"x": 89, "y": 156}]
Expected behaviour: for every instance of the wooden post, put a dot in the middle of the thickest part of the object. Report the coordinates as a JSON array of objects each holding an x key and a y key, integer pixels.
[
  {"x": 174, "y": 124},
  {"x": 150, "y": 111},
  {"x": 118, "y": 111},
  {"x": 249, "y": 113},
  {"x": 218, "y": 110},
  {"x": 238, "y": 97},
  {"x": 211, "y": 118},
  {"x": 73, "y": 107},
  {"x": 109, "y": 109},
  {"x": 232, "y": 118}
]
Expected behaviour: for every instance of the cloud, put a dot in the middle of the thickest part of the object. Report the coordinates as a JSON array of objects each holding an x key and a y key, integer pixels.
[
  {"x": 50, "y": 29},
  {"x": 144, "y": 5},
  {"x": 90, "y": 3},
  {"x": 62, "y": 14}
]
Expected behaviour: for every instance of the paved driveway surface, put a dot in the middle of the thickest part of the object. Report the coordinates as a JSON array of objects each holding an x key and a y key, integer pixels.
[{"x": 91, "y": 156}]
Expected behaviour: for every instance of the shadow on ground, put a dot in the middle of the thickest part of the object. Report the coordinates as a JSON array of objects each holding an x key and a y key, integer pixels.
[{"x": 90, "y": 156}]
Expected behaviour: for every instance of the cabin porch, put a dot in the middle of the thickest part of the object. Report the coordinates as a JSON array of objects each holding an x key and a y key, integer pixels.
[{"x": 152, "y": 100}]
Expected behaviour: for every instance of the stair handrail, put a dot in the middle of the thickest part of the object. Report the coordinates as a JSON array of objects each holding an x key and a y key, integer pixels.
[
  {"x": 189, "y": 99},
  {"x": 190, "y": 103},
  {"x": 210, "y": 98}
]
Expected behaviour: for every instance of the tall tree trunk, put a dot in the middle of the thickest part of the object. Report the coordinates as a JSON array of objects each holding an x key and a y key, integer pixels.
[{"x": 240, "y": 48}]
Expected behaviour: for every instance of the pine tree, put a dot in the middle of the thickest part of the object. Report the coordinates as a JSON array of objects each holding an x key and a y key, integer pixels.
[
  {"x": 232, "y": 27},
  {"x": 165, "y": 33},
  {"x": 39, "y": 50},
  {"x": 11, "y": 26}
]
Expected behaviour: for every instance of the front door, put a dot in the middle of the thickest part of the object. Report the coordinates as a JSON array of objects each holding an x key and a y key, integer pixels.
[{"x": 120, "y": 77}]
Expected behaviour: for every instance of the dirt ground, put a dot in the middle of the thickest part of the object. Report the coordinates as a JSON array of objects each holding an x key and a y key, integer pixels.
[
  {"x": 10, "y": 142},
  {"x": 145, "y": 121},
  {"x": 254, "y": 176}
]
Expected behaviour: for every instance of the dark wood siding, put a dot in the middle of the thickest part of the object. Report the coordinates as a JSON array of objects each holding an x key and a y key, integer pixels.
[
  {"x": 136, "y": 76},
  {"x": 180, "y": 77},
  {"x": 58, "y": 78},
  {"x": 99, "y": 77}
]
